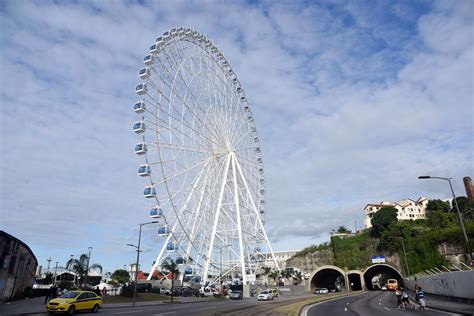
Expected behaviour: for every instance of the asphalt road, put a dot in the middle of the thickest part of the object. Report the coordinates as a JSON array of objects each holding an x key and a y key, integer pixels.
[
  {"x": 368, "y": 304},
  {"x": 206, "y": 307}
]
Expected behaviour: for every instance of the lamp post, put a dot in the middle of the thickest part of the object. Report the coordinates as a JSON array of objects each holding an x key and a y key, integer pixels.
[
  {"x": 138, "y": 258},
  {"x": 405, "y": 255},
  {"x": 88, "y": 261},
  {"x": 69, "y": 267},
  {"x": 455, "y": 202},
  {"x": 220, "y": 273}
]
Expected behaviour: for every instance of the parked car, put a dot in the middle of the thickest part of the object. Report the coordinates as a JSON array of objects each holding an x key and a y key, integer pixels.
[
  {"x": 190, "y": 292},
  {"x": 322, "y": 290},
  {"x": 383, "y": 288},
  {"x": 265, "y": 295},
  {"x": 73, "y": 301},
  {"x": 236, "y": 295}
]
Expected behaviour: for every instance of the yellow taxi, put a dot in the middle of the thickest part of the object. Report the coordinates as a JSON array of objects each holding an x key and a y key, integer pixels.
[{"x": 73, "y": 301}]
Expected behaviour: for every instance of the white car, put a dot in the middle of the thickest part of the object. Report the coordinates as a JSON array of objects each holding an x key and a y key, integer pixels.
[{"x": 265, "y": 295}]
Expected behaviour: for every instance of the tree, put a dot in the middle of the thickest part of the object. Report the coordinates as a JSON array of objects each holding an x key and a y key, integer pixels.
[
  {"x": 266, "y": 272},
  {"x": 465, "y": 206},
  {"x": 171, "y": 267},
  {"x": 120, "y": 276},
  {"x": 438, "y": 205},
  {"x": 441, "y": 219},
  {"x": 298, "y": 276},
  {"x": 343, "y": 230},
  {"x": 80, "y": 266},
  {"x": 274, "y": 275},
  {"x": 382, "y": 220}
]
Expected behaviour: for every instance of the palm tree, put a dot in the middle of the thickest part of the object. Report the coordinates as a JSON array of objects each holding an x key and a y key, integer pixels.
[
  {"x": 266, "y": 271},
  {"x": 170, "y": 266},
  {"x": 80, "y": 266},
  {"x": 274, "y": 275},
  {"x": 298, "y": 276}
]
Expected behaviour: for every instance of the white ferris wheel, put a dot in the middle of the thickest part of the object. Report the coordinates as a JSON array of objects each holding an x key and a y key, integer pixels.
[{"x": 203, "y": 161}]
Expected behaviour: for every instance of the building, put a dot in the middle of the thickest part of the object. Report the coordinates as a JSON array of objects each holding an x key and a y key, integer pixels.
[
  {"x": 407, "y": 209},
  {"x": 17, "y": 266},
  {"x": 280, "y": 257}
]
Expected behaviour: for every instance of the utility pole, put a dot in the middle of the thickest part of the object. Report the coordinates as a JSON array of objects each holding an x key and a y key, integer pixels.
[
  {"x": 49, "y": 262},
  {"x": 55, "y": 273}
]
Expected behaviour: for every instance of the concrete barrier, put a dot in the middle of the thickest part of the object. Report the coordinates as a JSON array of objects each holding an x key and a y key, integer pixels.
[{"x": 452, "y": 284}]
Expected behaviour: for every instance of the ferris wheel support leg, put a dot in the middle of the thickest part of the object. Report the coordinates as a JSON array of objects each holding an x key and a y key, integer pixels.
[
  {"x": 158, "y": 260},
  {"x": 216, "y": 219},
  {"x": 239, "y": 221},
  {"x": 254, "y": 207}
]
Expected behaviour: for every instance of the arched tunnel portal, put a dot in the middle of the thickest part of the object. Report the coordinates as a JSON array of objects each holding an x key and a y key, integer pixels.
[
  {"x": 376, "y": 275},
  {"x": 330, "y": 277},
  {"x": 355, "y": 279}
]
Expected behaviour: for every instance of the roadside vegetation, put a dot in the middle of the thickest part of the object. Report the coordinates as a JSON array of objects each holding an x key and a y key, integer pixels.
[{"x": 423, "y": 238}]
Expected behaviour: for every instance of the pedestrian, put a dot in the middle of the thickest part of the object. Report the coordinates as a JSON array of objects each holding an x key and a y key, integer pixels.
[
  {"x": 48, "y": 294},
  {"x": 104, "y": 291},
  {"x": 421, "y": 298},
  {"x": 405, "y": 299},
  {"x": 54, "y": 292},
  {"x": 97, "y": 291},
  {"x": 398, "y": 294}
]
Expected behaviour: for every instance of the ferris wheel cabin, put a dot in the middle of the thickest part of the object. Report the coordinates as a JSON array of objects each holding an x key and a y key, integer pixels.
[
  {"x": 139, "y": 127},
  {"x": 144, "y": 73},
  {"x": 156, "y": 212},
  {"x": 140, "y": 89},
  {"x": 148, "y": 60},
  {"x": 140, "y": 149},
  {"x": 171, "y": 247},
  {"x": 163, "y": 231},
  {"x": 149, "y": 192},
  {"x": 144, "y": 170},
  {"x": 188, "y": 271},
  {"x": 139, "y": 107},
  {"x": 179, "y": 260}
]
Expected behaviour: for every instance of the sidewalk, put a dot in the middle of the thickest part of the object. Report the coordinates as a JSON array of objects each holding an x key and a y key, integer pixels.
[
  {"x": 449, "y": 305},
  {"x": 36, "y": 305}
]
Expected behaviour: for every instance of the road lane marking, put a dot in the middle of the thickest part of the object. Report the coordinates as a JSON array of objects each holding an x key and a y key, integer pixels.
[
  {"x": 387, "y": 308},
  {"x": 161, "y": 314},
  {"x": 207, "y": 308},
  {"x": 178, "y": 307},
  {"x": 345, "y": 309},
  {"x": 129, "y": 312}
]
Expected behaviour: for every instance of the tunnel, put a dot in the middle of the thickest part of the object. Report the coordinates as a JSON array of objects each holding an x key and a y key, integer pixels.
[
  {"x": 328, "y": 277},
  {"x": 377, "y": 275},
  {"x": 355, "y": 281}
]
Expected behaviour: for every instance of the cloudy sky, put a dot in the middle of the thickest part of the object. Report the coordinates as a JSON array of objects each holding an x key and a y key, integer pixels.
[{"x": 353, "y": 100}]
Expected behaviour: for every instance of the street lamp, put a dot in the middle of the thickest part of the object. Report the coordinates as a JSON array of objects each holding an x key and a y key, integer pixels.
[
  {"x": 69, "y": 267},
  {"x": 455, "y": 202},
  {"x": 405, "y": 254},
  {"x": 88, "y": 261},
  {"x": 138, "y": 258},
  {"x": 220, "y": 273}
]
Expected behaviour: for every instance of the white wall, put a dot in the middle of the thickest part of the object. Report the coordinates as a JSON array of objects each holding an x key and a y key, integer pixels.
[{"x": 453, "y": 284}]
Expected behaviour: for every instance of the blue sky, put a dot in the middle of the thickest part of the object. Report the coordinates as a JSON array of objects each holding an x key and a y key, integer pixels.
[{"x": 353, "y": 100}]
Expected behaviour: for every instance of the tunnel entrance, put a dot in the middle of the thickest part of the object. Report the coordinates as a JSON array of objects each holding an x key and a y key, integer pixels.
[
  {"x": 377, "y": 275},
  {"x": 355, "y": 281},
  {"x": 328, "y": 278}
]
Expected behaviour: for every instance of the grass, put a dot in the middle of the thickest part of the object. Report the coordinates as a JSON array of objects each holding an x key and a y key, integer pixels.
[
  {"x": 295, "y": 308},
  {"x": 141, "y": 297}
]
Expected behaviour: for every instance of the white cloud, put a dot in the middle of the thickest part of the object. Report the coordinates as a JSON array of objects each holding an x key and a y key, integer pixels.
[{"x": 352, "y": 103}]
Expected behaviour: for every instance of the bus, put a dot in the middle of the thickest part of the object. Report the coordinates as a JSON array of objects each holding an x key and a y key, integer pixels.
[{"x": 392, "y": 284}]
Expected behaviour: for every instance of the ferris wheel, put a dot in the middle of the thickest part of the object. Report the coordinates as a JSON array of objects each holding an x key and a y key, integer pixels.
[{"x": 203, "y": 161}]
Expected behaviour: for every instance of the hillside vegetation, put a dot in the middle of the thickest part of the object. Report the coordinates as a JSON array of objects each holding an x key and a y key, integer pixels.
[{"x": 422, "y": 239}]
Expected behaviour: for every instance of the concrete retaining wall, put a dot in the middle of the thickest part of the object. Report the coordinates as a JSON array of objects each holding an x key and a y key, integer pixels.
[{"x": 453, "y": 284}]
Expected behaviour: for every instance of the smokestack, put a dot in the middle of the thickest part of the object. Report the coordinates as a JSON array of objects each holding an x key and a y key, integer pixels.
[{"x": 469, "y": 188}]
